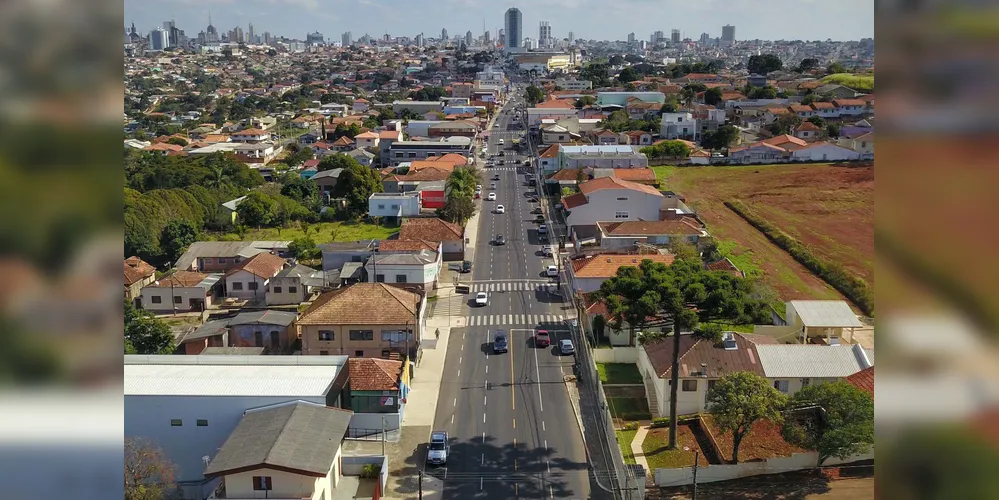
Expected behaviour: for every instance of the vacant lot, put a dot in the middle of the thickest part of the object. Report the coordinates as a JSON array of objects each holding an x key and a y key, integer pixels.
[
  {"x": 763, "y": 441},
  {"x": 658, "y": 454},
  {"x": 323, "y": 232},
  {"x": 828, "y": 208}
]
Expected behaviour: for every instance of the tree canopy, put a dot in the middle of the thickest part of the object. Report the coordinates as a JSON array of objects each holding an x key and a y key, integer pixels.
[
  {"x": 355, "y": 184},
  {"x": 738, "y": 400},
  {"x": 149, "y": 473},
  {"x": 721, "y": 138},
  {"x": 764, "y": 64},
  {"x": 846, "y": 427},
  {"x": 666, "y": 149},
  {"x": 713, "y": 96},
  {"x": 534, "y": 95},
  {"x": 146, "y": 334}
]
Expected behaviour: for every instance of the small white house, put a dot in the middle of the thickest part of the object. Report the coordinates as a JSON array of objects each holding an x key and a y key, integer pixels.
[
  {"x": 394, "y": 204},
  {"x": 824, "y": 151}
]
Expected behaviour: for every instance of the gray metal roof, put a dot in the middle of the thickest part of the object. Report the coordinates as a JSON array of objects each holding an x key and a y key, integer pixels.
[
  {"x": 233, "y": 351},
  {"x": 298, "y": 436},
  {"x": 297, "y": 271},
  {"x": 266, "y": 317},
  {"x": 209, "y": 329},
  {"x": 351, "y": 270},
  {"x": 826, "y": 313},
  {"x": 420, "y": 258},
  {"x": 812, "y": 361},
  {"x": 335, "y": 173}
]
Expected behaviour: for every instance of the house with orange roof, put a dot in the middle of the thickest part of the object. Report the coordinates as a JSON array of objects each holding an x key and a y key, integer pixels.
[
  {"x": 588, "y": 273},
  {"x": 610, "y": 198},
  {"x": 625, "y": 236},
  {"x": 758, "y": 152},
  {"x": 250, "y": 278},
  {"x": 824, "y": 151},
  {"x": 182, "y": 291},
  {"x": 343, "y": 144},
  {"x": 165, "y": 149},
  {"x": 806, "y": 131},
  {"x": 367, "y": 139}
]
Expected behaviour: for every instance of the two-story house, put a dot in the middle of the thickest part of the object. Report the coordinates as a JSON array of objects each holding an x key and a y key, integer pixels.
[
  {"x": 251, "y": 136},
  {"x": 612, "y": 199},
  {"x": 371, "y": 320},
  {"x": 681, "y": 125},
  {"x": 367, "y": 139},
  {"x": 450, "y": 236},
  {"x": 850, "y": 107},
  {"x": 293, "y": 285},
  {"x": 249, "y": 279},
  {"x": 419, "y": 267},
  {"x": 394, "y": 206}
]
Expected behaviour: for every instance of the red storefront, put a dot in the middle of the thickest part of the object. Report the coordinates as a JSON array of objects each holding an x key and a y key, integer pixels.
[{"x": 432, "y": 199}]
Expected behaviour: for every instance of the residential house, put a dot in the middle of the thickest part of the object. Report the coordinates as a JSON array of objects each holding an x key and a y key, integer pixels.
[
  {"x": 343, "y": 144},
  {"x": 450, "y": 236},
  {"x": 138, "y": 273},
  {"x": 322, "y": 149},
  {"x": 802, "y": 111},
  {"x": 610, "y": 198},
  {"x": 326, "y": 180},
  {"x": 637, "y": 108},
  {"x": 364, "y": 157},
  {"x": 249, "y": 279},
  {"x": 825, "y": 110},
  {"x": 417, "y": 107},
  {"x": 760, "y": 152},
  {"x": 293, "y": 285},
  {"x": 165, "y": 149},
  {"x": 360, "y": 105},
  {"x": 214, "y": 333},
  {"x": 863, "y": 380},
  {"x": 335, "y": 255},
  {"x": 286, "y": 451},
  {"x": 635, "y": 138},
  {"x": 680, "y": 125},
  {"x": 600, "y": 157},
  {"x": 189, "y": 405},
  {"x": 862, "y": 144},
  {"x": 557, "y": 134},
  {"x": 556, "y": 109},
  {"x": 791, "y": 367},
  {"x": 645, "y": 176},
  {"x": 403, "y": 151},
  {"x": 385, "y": 140},
  {"x": 627, "y": 235},
  {"x": 273, "y": 330},
  {"x": 835, "y": 91},
  {"x": 367, "y": 139},
  {"x": 417, "y": 268},
  {"x": 807, "y": 131},
  {"x": 377, "y": 386},
  {"x": 371, "y": 320},
  {"x": 824, "y": 151},
  {"x": 182, "y": 291},
  {"x": 829, "y": 322},
  {"x": 620, "y": 99},
  {"x": 251, "y": 136},
  {"x": 222, "y": 256},
  {"x": 850, "y": 107},
  {"x": 460, "y": 128},
  {"x": 548, "y": 159},
  {"x": 588, "y": 273},
  {"x": 394, "y": 205},
  {"x": 606, "y": 138}
]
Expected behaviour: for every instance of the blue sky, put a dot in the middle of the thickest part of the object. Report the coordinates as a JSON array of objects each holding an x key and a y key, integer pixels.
[{"x": 596, "y": 19}]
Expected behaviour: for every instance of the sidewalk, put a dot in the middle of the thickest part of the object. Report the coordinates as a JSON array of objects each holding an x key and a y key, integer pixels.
[{"x": 636, "y": 448}]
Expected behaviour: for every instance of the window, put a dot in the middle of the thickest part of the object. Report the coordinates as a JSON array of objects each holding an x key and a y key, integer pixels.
[
  {"x": 863, "y": 144},
  {"x": 386, "y": 354},
  {"x": 262, "y": 483},
  {"x": 394, "y": 206},
  {"x": 251, "y": 285},
  {"x": 156, "y": 299},
  {"x": 679, "y": 119},
  {"x": 621, "y": 215},
  {"x": 400, "y": 278},
  {"x": 258, "y": 339},
  {"x": 358, "y": 354},
  {"x": 412, "y": 155},
  {"x": 381, "y": 206},
  {"x": 379, "y": 278},
  {"x": 237, "y": 285},
  {"x": 398, "y": 155},
  {"x": 326, "y": 335},
  {"x": 324, "y": 353},
  {"x": 805, "y": 382},
  {"x": 177, "y": 299},
  {"x": 622, "y": 199},
  {"x": 277, "y": 289},
  {"x": 292, "y": 289},
  {"x": 202, "y": 422},
  {"x": 176, "y": 422},
  {"x": 362, "y": 335},
  {"x": 781, "y": 385},
  {"x": 689, "y": 385}
]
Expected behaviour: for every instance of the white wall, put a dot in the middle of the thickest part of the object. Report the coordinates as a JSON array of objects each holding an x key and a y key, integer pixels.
[
  {"x": 285, "y": 296},
  {"x": 166, "y": 295},
  {"x": 392, "y": 421},
  {"x": 388, "y": 206},
  {"x": 424, "y": 275},
  {"x": 283, "y": 485},
  {"x": 776, "y": 465},
  {"x": 245, "y": 278},
  {"x": 825, "y": 152},
  {"x": 617, "y": 354},
  {"x": 603, "y": 204}
]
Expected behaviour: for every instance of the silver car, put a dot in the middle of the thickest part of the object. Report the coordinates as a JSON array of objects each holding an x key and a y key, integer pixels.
[
  {"x": 438, "y": 449},
  {"x": 565, "y": 347}
]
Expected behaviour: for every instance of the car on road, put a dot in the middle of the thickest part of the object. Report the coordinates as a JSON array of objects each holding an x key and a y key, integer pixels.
[
  {"x": 491, "y": 197},
  {"x": 500, "y": 240},
  {"x": 501, "y": 142},
  {"x": 536, "y": 210},
  {"x": 499, "y": 342},
  {"x": 438, "y": 450},
  {"x": 551, "y": 271},
  {"x": 543, "y": 229},
  {"x": 548, "y": 250},
  {"x": 478, "y": 187},
  {"x": 466, "y": 266},
  {"x": 492, "y": 185},
  {"x": 565, "y": 347},
  {"x": 542, "y": 339},
  {"x": 481, "y": 299},
  {"x": 496, "y": 177},
  {"x": 500, "y": 209}
]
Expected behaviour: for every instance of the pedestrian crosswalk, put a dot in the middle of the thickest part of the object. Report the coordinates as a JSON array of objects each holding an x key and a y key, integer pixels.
[
  {"x": 504, "y": 169},
  {"x": 512, "y": 286},
  {"x": 516, "y": 319}
]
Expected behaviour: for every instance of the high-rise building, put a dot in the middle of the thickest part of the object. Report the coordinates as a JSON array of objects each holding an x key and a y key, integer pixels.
[
  {"x": 631, "y": 37},
  {"x": 705, "y": 38},
  {"x": 544, "y": 34},
  {"x": 728, "y": 34},
  {"x": 314, "y": 38},
  {"x": 159, "y": 39},
  {"x": 267, "y": 38},
  {"x": 346, "y": 39},
  {"x": 444, "y": 34},
  {"x": 251, "y": 35},
  {"x": 658, "y": 37},
  {"x": 514, "y": 26},
  {"x": 530, "y": 44},
  {"x": 418, "y": 40},
  {"x": 674, "y": 36},
  {"x": 468, "y": 38},
  {"x": 572, "y": 38},
  {"x": 485, "y": 38},
  {"x": 211, "y": 34}
]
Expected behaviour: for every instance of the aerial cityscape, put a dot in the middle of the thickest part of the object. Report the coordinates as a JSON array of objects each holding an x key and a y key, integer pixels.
[{"x": 376, "y": 262}]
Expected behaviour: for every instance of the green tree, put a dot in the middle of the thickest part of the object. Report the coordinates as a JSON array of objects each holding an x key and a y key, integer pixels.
[
  {"x": 146, "y": 334},
  {"x": 739, "y": 400},
  {"x": 303, "y": 248},
  {"x": 599, "y": 326},
  {"x": 457, "y": 209},
  {"x": 713, "y": 96},
  {"x": 461, "y": 183},
  {"x": 177, "y": 235},
  {"x": 256, "y": 210},
  {"x": 832, "y": 130},
  {"x": 721, "y": 138},
  {"x": 683, "y": 250},
  {"x": 355, "y": 184},
  {"x": 627, "y": 75},
  {"x": 678, "y": 298},
  {"x": 765, "y": 92},
  {"x": 584, "y": 101},
  {"x": 179, "y": 141},
  {"x": 834, "y": 68},
  {"x": 534, "y": 95},
  {"x": 691, "y": 90},
  {"x": 764, "y": 64},
  {"x": 298, "y": 155},
  {"x": 846, "y": 427},
  {"x": 808, "y": 64},
  {"x": 784, "y": 123},
  {"x": 817, "y": 121},
  {"x": 297, "y": 188},
  {"x": 149, "y": 474}
]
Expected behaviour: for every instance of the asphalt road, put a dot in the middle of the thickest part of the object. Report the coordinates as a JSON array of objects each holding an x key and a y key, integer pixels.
[{"x": 512, "y": 429}]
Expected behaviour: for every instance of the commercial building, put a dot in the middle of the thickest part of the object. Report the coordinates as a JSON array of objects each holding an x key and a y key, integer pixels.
[
  {"x": 728, "y": 34},
  {"x": 403, "y": 151},
  {"x": 514, "y": 30}
]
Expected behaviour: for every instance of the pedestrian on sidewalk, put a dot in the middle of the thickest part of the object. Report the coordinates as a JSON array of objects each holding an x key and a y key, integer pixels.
[{"x": 437, "y": 333}]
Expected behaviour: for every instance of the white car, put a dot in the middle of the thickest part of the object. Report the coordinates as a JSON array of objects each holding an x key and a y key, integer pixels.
[
  {"x": 500, "y": 209},
  {"x": 548, "y": 251},
  {"x": 492, "y": 185},
  {"x": 552, "y": 271},
  {"x": 491, "y": 197},
  {"x": 478, "y": 187},
  {"x": 481, "y": 299},
  {"x": 501, "y": 142},
  {"x": 542, "y": 229}
]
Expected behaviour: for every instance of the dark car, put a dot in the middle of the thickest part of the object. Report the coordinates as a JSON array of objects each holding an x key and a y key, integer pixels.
[
  {"x": 536, "y": 210},
  {"x": 500, "y": 240},
  {"x": 499, "y": 342},
  {"x": 466, "y": 266},
  {"x": 496, "y": 177},
  {"x": 539, "y": 218}
]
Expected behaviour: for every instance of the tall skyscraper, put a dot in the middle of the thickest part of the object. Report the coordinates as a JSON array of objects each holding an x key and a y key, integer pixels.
[
  {"x": 159, "y": 39},
  {"x": 544, "y": 34},
  {"x": 418, "y": 40},
  {"x": 346, "y": 39},
  {"x": 444, "y": 34},
  {"x": 674, "y": 36},
  {"x": 705, "y": 38},
  {"x": 572, "y": 38},
  {"x": 514, "y": 26},
  {"x": 211, "y": 34},
  {"x": 728, "y": 34},
  {"x": 631, "y": 37},
  {"x": 658, "y": 37},
  {"x": 251, "y": 35},
  {"x": 314, "y": 38},
  {"x": 485, "y": 38},
  {"x": 468, "y": 39}
]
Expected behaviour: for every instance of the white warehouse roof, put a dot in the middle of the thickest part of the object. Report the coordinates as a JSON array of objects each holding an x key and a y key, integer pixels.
[
  {"x": 291, "y": 376},
  {"x": 825, "y": 313}
]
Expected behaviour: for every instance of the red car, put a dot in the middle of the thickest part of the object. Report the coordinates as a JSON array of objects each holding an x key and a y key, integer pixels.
[{"x": 542, "y": 339}]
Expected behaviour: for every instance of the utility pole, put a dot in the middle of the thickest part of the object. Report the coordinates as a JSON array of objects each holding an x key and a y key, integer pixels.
[
  {"x": 420, "y": 485},
  {"x": 383, "y": 435},
  {"x": 693, "y": 495}
]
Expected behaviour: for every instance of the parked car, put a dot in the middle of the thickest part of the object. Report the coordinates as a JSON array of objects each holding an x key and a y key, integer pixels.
[
  {"x": 565, "y": 346},
  {"x": 481, "y": 299},
  {"x": 438, "y": 450},
  {"x": 499, "y": 342},
  {"x": 466, "y": 266},
  {"x": 542, "y": 339},
  {"x": 536, "y": 210},
  {"x": 542, "y": 229},
  {"x": 496, "y": 177},
  {"x": 548, "y": 250}
]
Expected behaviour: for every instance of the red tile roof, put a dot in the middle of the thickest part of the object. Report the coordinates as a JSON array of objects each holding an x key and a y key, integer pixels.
[
  {"x": 719, "y": 361},
  {"x": 682, "y": 226},
  {"x": 551, "y": 152},
  {"x": 606, "y": 265},
  {"x": 406, "y": 245},
  {"x": 431, "y": 229},
  {"x": 849, "y": 102},
  {"x": 639, "y": 175},
  {"x": 372, "y": 374},
  {"x": 573, "y": 201},
  {"x": 556, "y": 104},
  {"x": 137, "y": 269},
  {"x": 863, "y": 380},
  {"x": 264, "y": 265}
]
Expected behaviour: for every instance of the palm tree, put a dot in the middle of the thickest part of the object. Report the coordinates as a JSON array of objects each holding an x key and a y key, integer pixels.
[
  {"x": 462, "y": 182},
  {"x": 217, "y": 178}
]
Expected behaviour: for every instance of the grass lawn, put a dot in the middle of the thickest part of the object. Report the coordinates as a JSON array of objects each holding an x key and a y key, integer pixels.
[
  {"x": 624, "y": 439},
  {"x": 323, "y": 232},
  {"x": 659, "y": 456},
  {"x": 763, "y": 441},
  {"x": 855, "y": 82},
  {"x": 662, "y": 172},
  {"x": 629, "y": 408},
  {"x": 619, "y": 373}
]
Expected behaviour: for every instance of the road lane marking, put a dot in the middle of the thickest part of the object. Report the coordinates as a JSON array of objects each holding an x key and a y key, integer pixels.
[
  {"x": 452, "y": 419},
  {"x": 515, "y": 426},
  {"x": 549, "y": 464},
  {"x": 484, "y": 400},
  {"x": 483, "y": 461},
  {"x": 483, "y": 418},
  {"x": 551, "y": 491},
  {"x": 481, "y": 479},
  {"x": 513, "y": 392},
  {"x": 455, "y": 402},
  {"x": 459, "y": 359},
  {"x": 487, "y": 368},
  {"x": 483, "y": 437},
  {"x": 459, "y": 373},
  {"x": 543, "y": 425},
  {"x": 546, "y": 445}
]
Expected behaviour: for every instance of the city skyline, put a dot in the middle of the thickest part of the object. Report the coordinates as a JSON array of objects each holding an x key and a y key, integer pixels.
[{"x": 771, "y": 20}]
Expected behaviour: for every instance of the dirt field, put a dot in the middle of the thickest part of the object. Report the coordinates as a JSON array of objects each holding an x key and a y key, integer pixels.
[{"x": 829, "y": 208}]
